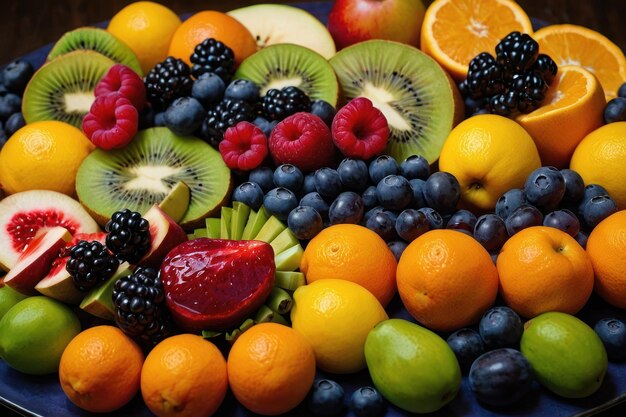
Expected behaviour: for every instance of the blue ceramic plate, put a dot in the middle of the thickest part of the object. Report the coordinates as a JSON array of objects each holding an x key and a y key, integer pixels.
[{"x": 42, "y": 396}]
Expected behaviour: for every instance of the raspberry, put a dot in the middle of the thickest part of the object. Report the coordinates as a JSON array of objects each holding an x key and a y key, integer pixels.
[
  {"x": 303, "y": 140},
  {"x": 360, "y": 130},
  {"x": 112, "y": 121},
  {"x": 123, "y": 80},
  {"x": 244, "y": 146}
]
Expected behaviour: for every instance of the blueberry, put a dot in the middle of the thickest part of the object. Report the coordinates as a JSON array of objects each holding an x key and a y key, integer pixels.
[
  {"x": 326, "y": 398},
  {"x": 598, "y": 209},
  {"x": 397, "y": 247},
  {"x": 250, "y": 194},
  {"x": 328, "y": 183},
  {"x": 574, "y": 186},
  {"x": 434, "y": 218},
  {"x": 367, "y": 402},
  {"x": 369, "y": 197},
  {"x": 14, "y": 123},
  {"x": 16, "y": 75},
  {"x": 305, "y": 222},
  {"x": 612, "y": 332},
  {"x": 442, "y": 192},
  {"x": 417, "y": 187},
  {"x": 622, "y": 91},
  {"x": 522, "y": 218},
  {"x": 369, "y": 213},
  {"x": 264, "y": 176},
  {"x": 244, "y": 90},
  {"x": 500, "y": 377},
  {"x": 615, "y": 110},
  {"x": 279, "y": 202},
  {"x": 347, "y": 208},
  {"x": 509, "y": 202},
  {"x": 411, "y": 224},
  {"x": 289, "y": 177},
  {"x": 462, "y": 220},
  {"x": 315, "y": 200},
  {"x": 582, "y": 238},
  {"x": 381, "y": 167},
  {"x": 563, "y": 220},
  {"x": 494, "y": 257},
  {"x": 490, "y": 231},
  {"x": 394, "y": 192},
  {"x": 208, "y": 89},
  {"x": 415, "y": 167},
  {"x": 467, "y": 345},
  {"x": 545, "y": 187},
  {"x": 590, "y": 191},
  {"x": 308, "y": 185},
  {"x": 500, "y": 327},
  {"x": 159, "y": 119},
  {"x": 381, "y": 223},
  {"x": 324, "y": 111},
  {"x": 9, "y": 104},
  {"x": 353, "y": 174},
  {"x": 3, "y": 138},
  {"x": 184, "y": 116},
  {"x": 265, "y": 125}
]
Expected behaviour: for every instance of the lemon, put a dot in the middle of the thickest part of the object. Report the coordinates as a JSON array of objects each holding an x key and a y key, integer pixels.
[
  {"x": 43, "y": 156},
  {"x": 147, "y": 28},
  {"x": 335, "y": 316},
  {"x": 600, "y": 159},
  {"x": 488, "y": 155}
]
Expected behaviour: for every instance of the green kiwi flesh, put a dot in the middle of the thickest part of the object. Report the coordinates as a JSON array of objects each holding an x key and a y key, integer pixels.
[
  {"x": 98, "y": 40},
  {"x": 63, "y": 88},
  {"x": 144, "y": 172},
  {"x": 283, "y": 65},
  {"x": 409, "y": 87}
]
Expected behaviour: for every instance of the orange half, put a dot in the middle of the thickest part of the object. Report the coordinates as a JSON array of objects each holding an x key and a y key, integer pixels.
[{"x": 455, "y": 31}]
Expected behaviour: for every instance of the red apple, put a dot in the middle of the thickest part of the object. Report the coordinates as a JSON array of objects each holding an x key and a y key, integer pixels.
[
  {"x": 352, "y": 21},
  {"x": 165, "y": 234}
]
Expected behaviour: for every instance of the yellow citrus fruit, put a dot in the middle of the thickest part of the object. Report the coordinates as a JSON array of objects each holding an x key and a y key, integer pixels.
[
  {"x": 544, "y": 269},
  {"x": 43, "y": 156},
  {"x": 335, "y": 316},
  {"x": 577, "y": 45},
  {"x": 353, "y": 253},
  {"x": 147, "y": 28},
  {"x": 606, "y": 247},
  {"x": 216, "y": 25},
  {"x": 184, "y": 376},
  {"x": 446, "y": 280},
  {"x": 100, "y": 369},
  {"x": 455, "y": 31},
  {"x": 600, "y": 158},
  {"x": 489, "y": 155},
  {"x": 271, "y": 368},
  {"x": 573, "y": 108}
]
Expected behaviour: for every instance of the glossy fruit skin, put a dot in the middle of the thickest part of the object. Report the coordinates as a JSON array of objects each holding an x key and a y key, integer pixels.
[
  {"x": 305, "y": 222},
  {"x": 279, "y": 202},
  {"x": 308, "y": 185},
  {"x": 394, "y": 192},
  {"x": 411, "y": 224},
  {"x": 490, "y": 231},
  {"x": 434, "y": 218},
  {"x": 184, "y": 116},
  {"x": 249, "y": 193},
  {"x": 9, "y": 104},
  {"x": 367, "y": 402},
  {"x": 597, "y": 209},
  {"x": 328, "y": 183},
  {"x": 381, "y": 167},
  {"x": 369, "y": 197},
  {"x": 442, "y": 192},
  {"x": 510, "y": 201},
  {"x": 315, "y": 200},
  {"x": 289, "y": 177},
  {"x": 462, "y": 220},
  {"x": 467, "y": 345},
  {"x": 353, "y": 174},
  {"x": 383, "y": 225},
  {"x": 13, "y": 124},
  {"x": 326, "y": 398},
  {"x": 545, "y": 187},
  {"x": 574, "y": 186},
  {"x": 208, "y": 89},
  {"x": 615, "y": 110},
  {"x": 612, "y": 332},
  {"x": 264, "y": 177},
  {"x": 347, "y": 208},
  {"x": 415, "y": 166},
  {"x": 563, "y": 220},
  {"x": 500, "y": 327},
  {"x": 397, "y": 247},
  {"x": 501, "y": 377},
  {"x": 244, "y": 90},
  {"x": 324, "y": 111},
  {"x": 524, "y": 217},
  {"x": 417, "y": 187}
]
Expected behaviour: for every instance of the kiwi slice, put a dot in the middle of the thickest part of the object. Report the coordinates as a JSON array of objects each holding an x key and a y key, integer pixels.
[
  {"x": 419, "y": 100},
  {"x": 63, "y": 88},
  {"x": 144, "y": 172},
  {"x": 99, "y": 40},
  {"x": 283, "y": 65}
]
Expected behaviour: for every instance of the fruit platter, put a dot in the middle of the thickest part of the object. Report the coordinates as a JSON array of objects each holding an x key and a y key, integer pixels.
[{"x": 345, "y": 208}]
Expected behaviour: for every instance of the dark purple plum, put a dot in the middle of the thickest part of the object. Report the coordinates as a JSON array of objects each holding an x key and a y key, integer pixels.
[
  {"x": 490, "y": 231},
  {"x": 347, "y": 208},
  {"x": 411, "y": 224},
  {"x": 500, "y": 327},
  {"x": 563, "y": 220},
  {"x": 467, "y": 345}
]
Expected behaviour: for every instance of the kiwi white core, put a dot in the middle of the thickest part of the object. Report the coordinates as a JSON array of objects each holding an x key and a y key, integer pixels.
[
  {"x": 79, "y": 101},
  {"x": 146, "y": 177},
  {"x": 381, "y": 99},
  {"x": 281, "y": 83}
]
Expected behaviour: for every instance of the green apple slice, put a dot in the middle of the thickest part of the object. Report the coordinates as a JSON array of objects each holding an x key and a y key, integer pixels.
[
  {"x": 270, "y": 230},
  {"x": 241, "y": 212},
  {"x": 289, "y": 260},
  {"x": 284, "y": 241},
  {"x": 213, "y": 227},
  {"x": 255, "y": 224},
  {"x": 227, "y": 214},
  {"x": 99, "y": 301}
]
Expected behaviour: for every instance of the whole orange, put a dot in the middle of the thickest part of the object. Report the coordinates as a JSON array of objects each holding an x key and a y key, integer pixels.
[
  {"x": 100, "y": 369},
  {"x": 353, "y": 253},
  {"x": 184, "y": 375},
  {"x": 544, "y": 269},
  {"x": 216, "y": 25},
  {"x": 606, "y": 247},
  {"x": 446, "y": 280},
  {"x": 271, "y": 368}
]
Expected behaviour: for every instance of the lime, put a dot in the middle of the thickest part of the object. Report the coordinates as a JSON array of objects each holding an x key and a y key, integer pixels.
[{"x": 8, "y": 298}]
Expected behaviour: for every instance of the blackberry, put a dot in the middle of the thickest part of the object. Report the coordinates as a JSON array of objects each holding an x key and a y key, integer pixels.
[
  {"x": 223, "y": 115},
  {"x": 516, "y": 53},
  {"x": 168, "y": 81},
  {"x": 213, "y": 56},
  {"x": 484, "y": 77},
  {"x": 279, "y": 104},
  {"x": 530, "y": 89},
  {"x": 128, "y": 235},
  {"x": 503, "y": 104},
  {"x": 545, "y": 67},
  {"x": 139, "y": 302},
  {"x": 90, "y": 263}
]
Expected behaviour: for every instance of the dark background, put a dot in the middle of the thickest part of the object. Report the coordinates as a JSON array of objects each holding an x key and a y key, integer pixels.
[{"x": 26, "y": 25}]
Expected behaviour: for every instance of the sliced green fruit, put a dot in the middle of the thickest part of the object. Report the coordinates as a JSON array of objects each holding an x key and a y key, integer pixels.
[
  {"x": 213, "y": 227},
  {"x": 209, "y": 334},
  {"x": 284, "y": 241},
  {"x": 198, "y": 233},
  {"x": 280, "y": 319},
  {"x": 270, "y": 230},
  {"x": 99, "y": 301},
  {"x": 246, "y": 325},
  {"x": 241, "y": 212},
  {"x": 289, "y": 260},
  {"x": 176, "y": 202},
  {"x": 289, "y": 280},
  {"x": 255, "y": 224},
  {"x": 225, "y": 219},
  {"x": 264, "y": 315},
  {"x": 279, "y": 301}
]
